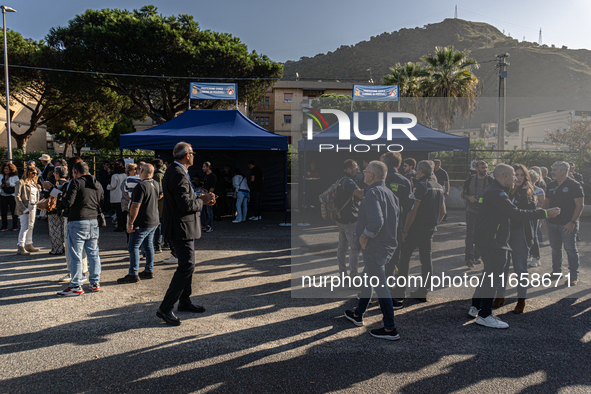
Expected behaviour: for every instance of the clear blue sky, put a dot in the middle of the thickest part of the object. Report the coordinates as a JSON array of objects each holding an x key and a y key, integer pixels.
[{"x": 288, "y": 30}]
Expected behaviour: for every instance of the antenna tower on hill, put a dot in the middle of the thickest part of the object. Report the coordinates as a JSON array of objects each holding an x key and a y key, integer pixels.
[
  {"x": 540, "y": 39},
  {"x": 456, "y": 13}
]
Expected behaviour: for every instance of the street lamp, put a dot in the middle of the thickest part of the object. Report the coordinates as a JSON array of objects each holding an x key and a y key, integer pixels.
[{"x": 6, "y": 9}]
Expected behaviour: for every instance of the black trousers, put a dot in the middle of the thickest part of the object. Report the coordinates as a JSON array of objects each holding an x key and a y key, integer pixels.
[
  {"x": 415, "y": 239},
  {"x": 256, "y": 198},
  {"x": 395, "y": 260},
  {"x": 494, "y": 261},
  {"x": 180, "y": 285},
  {"x": 7, "y": 202}
]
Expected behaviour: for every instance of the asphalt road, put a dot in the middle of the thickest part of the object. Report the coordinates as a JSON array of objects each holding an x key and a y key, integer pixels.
[{"x": 256, "y": 338}]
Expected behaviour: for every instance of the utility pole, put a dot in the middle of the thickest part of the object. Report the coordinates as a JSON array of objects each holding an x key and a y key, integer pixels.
[{"x": 502, "y": 66}]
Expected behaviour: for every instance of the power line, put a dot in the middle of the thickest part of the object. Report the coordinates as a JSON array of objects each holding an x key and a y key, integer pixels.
[{"x": 215, "y": 78}]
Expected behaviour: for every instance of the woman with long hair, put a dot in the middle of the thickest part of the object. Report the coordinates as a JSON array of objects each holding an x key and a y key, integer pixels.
[
  {"x": 55, "y": 218},
  {"x": 521, "y": 237},
  {"x": 8, "y": 181},
  {"x": 27, "y": 196},
  {"x": 114, "y": 186}
]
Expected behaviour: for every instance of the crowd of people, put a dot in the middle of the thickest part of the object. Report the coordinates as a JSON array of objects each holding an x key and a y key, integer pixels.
[
  {"x": 390, "y": 215},
  {"x": 75, "y": 203},
  {"x": 384, "y": 214}
]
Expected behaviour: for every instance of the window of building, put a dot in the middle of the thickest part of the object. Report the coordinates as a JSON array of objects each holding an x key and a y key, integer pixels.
[
  {"x": 267, "y": 100},
  {"x": 287, "y": 97},
  {"x": 256, "y": 120},
  {"x": 262, "y": 122},
  {"x": 266, "y": 121},
  {"x": 286, "y": 119}
]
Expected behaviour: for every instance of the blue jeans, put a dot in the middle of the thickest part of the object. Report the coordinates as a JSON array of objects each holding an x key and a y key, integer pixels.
[
  {"x": 143, "y": 237},
  {"x": 519, "y": 253},
  {"x": 83, "y": 235},
  {"x": 494, "y": 261},
  {"x": 158, "y": 237},
  {"x": 558, "y": 238},
  {"x": 209, "y": 215},
  {"x": 375, "y": 261},
  {"x": 241, "y": 206}
]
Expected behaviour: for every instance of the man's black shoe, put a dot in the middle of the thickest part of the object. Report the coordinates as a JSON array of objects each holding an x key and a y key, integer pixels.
[
  {"x": 168, "y": 317},
  {"x": 146, "y": 275},
  {"x": 419, "y": 296},
  {"x": 191, "y": 308},
  {"x": 129, "y": 279},
  {"x": 397, "y": 304}
]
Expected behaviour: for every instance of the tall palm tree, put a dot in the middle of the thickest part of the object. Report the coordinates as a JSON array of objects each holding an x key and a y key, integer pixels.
[
  {"x": 408, "y": 77},
  {"x": 451, "y": 85}
]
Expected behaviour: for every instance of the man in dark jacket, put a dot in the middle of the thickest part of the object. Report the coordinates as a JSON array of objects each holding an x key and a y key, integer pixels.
[
  {"x": 492, "y": 238},
  {"x": 377, "y": 223},
  {"x": 401, "y": 187},
  {"x": 347, "y": 200},
  {"x": 427, "y": 211},
  {"x": 83, "y": 199},
  {"x": 474, "y": 187},
  {"x": 181, "y": 225}
]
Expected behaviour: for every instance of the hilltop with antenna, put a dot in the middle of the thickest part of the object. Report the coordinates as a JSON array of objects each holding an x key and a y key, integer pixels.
[{"x": 535, "y": 70}]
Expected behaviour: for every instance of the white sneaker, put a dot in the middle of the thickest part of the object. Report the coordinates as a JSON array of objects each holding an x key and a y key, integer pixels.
[
  {"x": 171, "y": 260},
  {"x": 254, "y": 218},
  {"x": 65, "y": 279},
  {"x": 473, "y": 311},
  {"x": 534, "y": 262},
  {"x": 492, "y": 322},
  {"x": 236, "y": 221}
]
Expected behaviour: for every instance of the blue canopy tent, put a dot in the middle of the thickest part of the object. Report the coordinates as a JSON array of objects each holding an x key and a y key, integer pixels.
[
  {"x": 223, "y": 137},
  {"x": 329, "y": 161}
]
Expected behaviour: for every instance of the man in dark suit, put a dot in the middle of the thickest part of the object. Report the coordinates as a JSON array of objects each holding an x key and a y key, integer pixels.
[{"x": 181, "y": 225}]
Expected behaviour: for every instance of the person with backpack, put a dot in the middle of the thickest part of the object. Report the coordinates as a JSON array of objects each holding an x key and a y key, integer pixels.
[
  {"x": 472, "y": 190},
  {"x": 347, "y": 199}
]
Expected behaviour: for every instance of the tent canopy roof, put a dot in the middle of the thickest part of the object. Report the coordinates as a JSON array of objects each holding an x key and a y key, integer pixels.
[
  {"x": 428, "y": 140},
  {"x": 206, "y": 129}
]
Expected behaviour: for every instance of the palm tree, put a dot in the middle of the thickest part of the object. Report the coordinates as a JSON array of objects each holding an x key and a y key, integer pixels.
[
  {"x": 451, "y": 85},
  {"x": 408, "y": 77}
]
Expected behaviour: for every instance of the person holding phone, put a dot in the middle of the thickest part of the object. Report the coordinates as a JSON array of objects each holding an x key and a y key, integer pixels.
[{"x": 181, "y": 224}]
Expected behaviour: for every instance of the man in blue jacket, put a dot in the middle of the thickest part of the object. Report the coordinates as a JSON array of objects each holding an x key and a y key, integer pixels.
[
  {"x": 377, "y": 222},
  {"x": 492, "y": 239}
]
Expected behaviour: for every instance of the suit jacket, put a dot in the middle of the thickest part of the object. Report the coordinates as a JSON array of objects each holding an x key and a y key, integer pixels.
[{"x": 180, "y": 217}]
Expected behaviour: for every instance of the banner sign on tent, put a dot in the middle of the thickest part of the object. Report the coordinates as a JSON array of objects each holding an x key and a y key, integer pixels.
[
  {"x": 213, "y": 91},
  {"x": 375, "y": 92}
]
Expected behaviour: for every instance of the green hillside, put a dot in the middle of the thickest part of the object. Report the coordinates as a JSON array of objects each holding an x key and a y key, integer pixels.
[{"x": 534, "y": 71}]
